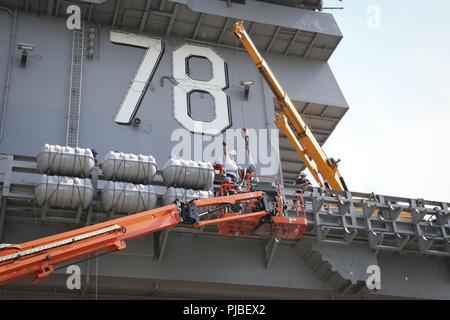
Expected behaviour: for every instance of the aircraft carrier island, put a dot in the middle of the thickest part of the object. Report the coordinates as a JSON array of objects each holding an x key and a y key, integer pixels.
[{"x": 154, "y": 149}]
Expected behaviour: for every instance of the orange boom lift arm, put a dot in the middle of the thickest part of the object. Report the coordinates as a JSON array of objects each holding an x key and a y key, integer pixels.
[
  {"x": 39, "y": 257},
  {"x": 323, "y": 169}
]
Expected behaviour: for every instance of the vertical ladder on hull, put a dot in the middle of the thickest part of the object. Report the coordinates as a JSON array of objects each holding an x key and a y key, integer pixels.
[{"x": 73, "y": 118}]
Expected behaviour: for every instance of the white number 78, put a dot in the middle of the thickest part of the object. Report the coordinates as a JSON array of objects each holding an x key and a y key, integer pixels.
[{"x": 183, "y": 87}]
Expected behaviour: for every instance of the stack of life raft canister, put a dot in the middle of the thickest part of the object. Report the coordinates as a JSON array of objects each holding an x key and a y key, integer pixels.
[
  {"x": 64, "y": 182},
  {"x": 128, "y": 187},
  {"x": 187, "y": 180}
]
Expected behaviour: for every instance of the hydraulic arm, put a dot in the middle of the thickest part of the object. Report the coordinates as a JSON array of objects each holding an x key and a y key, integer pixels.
[
  {"x": 39, "y": 257},
  {"x": 323, "y": 169}
]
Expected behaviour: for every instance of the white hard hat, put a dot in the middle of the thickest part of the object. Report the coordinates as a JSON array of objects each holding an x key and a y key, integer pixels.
[
  {"x": 233, "y": 153},
  {"x": 302, "y": 174}
]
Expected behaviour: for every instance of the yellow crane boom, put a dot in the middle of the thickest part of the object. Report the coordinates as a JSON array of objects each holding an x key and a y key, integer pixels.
[{"x": 323, "y": 169}]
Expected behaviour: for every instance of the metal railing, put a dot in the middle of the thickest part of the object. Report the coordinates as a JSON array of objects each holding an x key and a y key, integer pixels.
[{"x": 339, "y": 217}]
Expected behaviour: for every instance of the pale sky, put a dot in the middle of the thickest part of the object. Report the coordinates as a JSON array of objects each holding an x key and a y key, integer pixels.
[{"x": 395, "y": 139}]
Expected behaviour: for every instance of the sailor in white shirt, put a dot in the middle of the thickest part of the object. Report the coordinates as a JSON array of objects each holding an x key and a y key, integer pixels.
[{"x": 229, "y": 161}]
